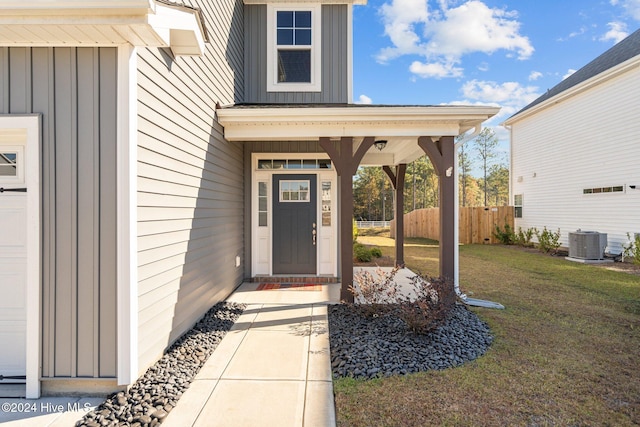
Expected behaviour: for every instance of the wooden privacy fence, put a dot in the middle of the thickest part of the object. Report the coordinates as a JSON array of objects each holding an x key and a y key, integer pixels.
[{"x": 477, "y": 224}]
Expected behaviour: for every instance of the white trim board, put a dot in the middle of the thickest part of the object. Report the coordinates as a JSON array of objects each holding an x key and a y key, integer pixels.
[
  {"x": 262, "y": 238},
  {"x": 31, "y": 123},
  {"x": 127, "y": 241}
]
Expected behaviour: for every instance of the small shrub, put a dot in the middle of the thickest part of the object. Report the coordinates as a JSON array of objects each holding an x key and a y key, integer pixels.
[
  {"x": 548, "y": 241},
  {"x": 377, "y": 294},
  {"x": 361, "y": 253},
  {"x": 632, "y": 248},
  {"x": 376, "y": 252},
  {"x": 355, "y": 231},
  {"x": 506, "y": 236},
  {"x": 435, "y": 299},
  {"x": 374, "y": 293},
  {"x": 523, "y": 238}
]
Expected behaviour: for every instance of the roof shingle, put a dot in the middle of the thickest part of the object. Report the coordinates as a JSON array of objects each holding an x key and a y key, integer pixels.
[{"x": 621, "y": 52}]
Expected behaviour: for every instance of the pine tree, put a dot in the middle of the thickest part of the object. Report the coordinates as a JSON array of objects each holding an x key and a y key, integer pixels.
[{"x": 485, "y": 145}]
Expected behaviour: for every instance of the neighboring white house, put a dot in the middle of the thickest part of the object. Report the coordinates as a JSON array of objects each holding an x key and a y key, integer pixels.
[{"x": 575, "y": 151}]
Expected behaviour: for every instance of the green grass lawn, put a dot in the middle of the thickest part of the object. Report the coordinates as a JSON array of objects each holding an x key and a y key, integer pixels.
[{"x": 566, "y": 349}]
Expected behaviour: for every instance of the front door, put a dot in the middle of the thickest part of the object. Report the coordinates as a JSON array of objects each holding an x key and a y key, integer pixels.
[
  {"x": 13, "y": 263},
  {"x": 294, "y": 224}
]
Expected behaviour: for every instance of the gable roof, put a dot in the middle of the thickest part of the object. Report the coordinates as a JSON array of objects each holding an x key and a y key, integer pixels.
[{"x": 619, "y": 53}]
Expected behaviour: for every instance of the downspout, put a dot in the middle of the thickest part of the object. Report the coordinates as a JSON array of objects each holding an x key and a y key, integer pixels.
[
  {"x": 456, "y": 229},
  {"x": 456, "y": 271},
  {"x": 508, "y": 127}
]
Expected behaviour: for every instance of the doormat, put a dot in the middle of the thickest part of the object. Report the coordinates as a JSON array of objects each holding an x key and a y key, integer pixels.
[{"x": 295, "y": 286}]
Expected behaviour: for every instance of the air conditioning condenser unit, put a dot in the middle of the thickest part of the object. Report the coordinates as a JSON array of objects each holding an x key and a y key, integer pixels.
[{"x": 588, "y": 245}]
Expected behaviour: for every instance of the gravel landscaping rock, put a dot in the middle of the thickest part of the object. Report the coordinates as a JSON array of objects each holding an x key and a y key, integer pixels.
[
  {"x": 155, "y": 394},
  {"x": 364, "y": 347}
]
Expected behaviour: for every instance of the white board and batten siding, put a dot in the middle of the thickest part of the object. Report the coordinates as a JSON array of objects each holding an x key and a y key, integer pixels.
[
  {"x": 190, "y": 183},
  {"x": 74, "y": 89},
  {"x": 587, "y": 141}
]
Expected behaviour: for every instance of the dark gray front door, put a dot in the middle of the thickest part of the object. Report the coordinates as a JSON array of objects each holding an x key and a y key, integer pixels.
[{"x": 294, "y": 224}]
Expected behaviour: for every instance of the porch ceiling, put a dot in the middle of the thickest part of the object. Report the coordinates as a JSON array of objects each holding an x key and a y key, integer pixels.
[
  {"x": 157, "y": 23},
  {"x": 399, "y": 125}
]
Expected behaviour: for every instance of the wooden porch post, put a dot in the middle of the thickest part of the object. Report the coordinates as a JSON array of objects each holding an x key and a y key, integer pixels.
[
  {"x": 346, "y": 163},
  {"x": 442, "y": 155},
  {"x": 397, "y": 182}
]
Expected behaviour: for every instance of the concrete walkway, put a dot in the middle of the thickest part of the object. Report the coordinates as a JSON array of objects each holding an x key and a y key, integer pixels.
[{"x": 271, "y": 369}]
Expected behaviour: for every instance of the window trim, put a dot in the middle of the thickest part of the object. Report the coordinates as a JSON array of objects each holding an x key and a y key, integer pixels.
[
  {"x": 611, "y": 189},
  {"x": 264, "y": 196},
  {"x": 294, "y": 181},
  {"x": 517, "y": 207},
  {"x": 19, "y": 177},
  {"x": 325, "y": 202},
  {"x": 272, "y": 49}
]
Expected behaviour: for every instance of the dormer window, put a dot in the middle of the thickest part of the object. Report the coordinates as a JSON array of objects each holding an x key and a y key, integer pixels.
[{"x": 293, "y": 60}]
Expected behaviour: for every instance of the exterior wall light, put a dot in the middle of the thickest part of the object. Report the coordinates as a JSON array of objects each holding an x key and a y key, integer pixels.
[{"x": 380, "y": 144}]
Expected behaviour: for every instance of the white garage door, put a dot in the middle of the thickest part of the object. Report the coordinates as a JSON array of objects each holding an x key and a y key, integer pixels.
[{"x": 13, "y": 261}]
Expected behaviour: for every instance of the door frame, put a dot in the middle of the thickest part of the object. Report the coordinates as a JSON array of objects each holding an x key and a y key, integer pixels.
[
  {"x": 262, "y": 236},
  {"x": 31, "y": 123}
]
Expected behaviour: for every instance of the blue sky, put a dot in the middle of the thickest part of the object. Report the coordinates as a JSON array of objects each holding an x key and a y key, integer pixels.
[{"x": 504, "y": 53}]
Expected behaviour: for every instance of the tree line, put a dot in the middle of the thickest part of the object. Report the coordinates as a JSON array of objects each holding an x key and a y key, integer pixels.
[{"x": 373, "y": 193}]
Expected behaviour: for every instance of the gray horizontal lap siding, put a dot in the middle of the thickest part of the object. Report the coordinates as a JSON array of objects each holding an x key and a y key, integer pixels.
[
  {"x": 75, "y": 91},
  {"x": 334, "y": 59},
  {"x": 190, "y": 182}
]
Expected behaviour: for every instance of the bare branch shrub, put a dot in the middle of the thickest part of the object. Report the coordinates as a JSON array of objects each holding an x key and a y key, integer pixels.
[
  {"x": 374, "y": 293},
  {"x": 435, "y": 297}
]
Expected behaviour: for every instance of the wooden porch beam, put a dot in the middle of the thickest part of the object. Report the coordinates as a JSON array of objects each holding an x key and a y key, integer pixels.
[
  {"x": 346, "y": 163},
  {"x": 397, "y": 177},
  {"x": 442, "y": 155}
]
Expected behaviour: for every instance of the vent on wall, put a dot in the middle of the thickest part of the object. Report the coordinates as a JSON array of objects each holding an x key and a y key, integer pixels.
[{"x": 587, "y": 245}]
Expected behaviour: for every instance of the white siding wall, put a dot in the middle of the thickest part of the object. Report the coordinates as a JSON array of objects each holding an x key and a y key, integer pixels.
[
  {"x": 190, "y": 183},
  {"x": 589, "y": 140}
]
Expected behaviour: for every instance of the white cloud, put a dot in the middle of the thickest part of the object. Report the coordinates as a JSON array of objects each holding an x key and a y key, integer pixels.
[
  {"x": 617, "y": 31},
  {"x": 474, "y": 27},
  {"x": 364, "y": 99},
  {"x": 632, "y": 7},
  {"x": 444, "y": 35},
  {"x": 507, "y": 92},
  {"x": 580, "y": 32},
  {"x": 435, "y": 69},
  {"x": 509, "y": 96},
  {"x": 484, "y": 66},
  {"x": 568, "y": 73},
  {"x": 535, "y": 75},
  {"x": 401, "y": 19}
]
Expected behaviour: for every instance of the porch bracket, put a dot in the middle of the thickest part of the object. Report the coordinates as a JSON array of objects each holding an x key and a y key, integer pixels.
[
  {"x": 397, "y": 177},
  {"x": 346, "y": 162},
  {"x": 442, "y": 155}
]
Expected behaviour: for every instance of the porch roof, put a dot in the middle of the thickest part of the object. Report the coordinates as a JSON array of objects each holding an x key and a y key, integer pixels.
[
  {"x": 90, "y": 23},
  {"x": 399, "y": 125}
]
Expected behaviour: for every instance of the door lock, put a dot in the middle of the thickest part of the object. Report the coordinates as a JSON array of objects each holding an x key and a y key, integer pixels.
[{"x": 314, "y": 233}]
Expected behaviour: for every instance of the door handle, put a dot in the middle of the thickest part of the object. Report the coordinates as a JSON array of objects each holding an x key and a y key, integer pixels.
[
  {"x": 314, "y": 233},
  {"x": 20, "y": 190}
]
